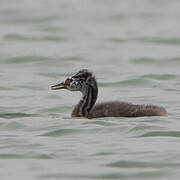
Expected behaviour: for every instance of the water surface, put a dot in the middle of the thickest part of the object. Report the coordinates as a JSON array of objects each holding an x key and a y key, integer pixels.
[{"x": 132, "y": 47}]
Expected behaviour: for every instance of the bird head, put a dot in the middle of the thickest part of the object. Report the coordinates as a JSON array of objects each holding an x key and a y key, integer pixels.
[{"x": 78, "y": 82}]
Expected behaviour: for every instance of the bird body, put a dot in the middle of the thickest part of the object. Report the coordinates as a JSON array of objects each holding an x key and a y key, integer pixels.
[
  {"x": 85, "y": 82},
  {"x": 124, "y": 109}
]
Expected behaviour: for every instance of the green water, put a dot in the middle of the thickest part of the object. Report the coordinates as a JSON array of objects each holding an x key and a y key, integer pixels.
[{"x": 133, "y": 49}]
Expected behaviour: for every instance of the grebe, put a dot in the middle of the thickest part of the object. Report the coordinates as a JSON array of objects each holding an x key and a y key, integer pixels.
[{"x": 85, "y": 82}]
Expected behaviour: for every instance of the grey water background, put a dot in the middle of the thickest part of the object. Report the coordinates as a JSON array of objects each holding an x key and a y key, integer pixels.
[{"x": 133, "y": 47}]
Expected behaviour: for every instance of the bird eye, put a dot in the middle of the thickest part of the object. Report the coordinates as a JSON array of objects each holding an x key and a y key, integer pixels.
[{"x": 68, "y": 81}]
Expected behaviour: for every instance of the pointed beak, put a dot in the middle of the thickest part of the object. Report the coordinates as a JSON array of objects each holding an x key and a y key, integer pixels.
[{"x": 61, "y": 85}]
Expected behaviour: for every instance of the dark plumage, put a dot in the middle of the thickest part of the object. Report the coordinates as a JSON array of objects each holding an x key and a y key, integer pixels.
[{"x": 85, "y": 82}]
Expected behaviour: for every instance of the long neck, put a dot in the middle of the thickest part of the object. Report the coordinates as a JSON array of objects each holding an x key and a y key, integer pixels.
[{"x": 88, "y": 100}]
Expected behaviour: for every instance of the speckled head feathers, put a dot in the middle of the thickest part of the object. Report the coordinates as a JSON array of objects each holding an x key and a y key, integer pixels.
[
  {"x": 77, "y": 82},
  {"x": 83, "y": 74}
]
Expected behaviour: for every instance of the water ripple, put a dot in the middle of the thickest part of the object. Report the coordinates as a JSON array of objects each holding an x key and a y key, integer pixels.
[
  {"x": 156, "y": 61},
  {"x": 153, "y": 40},
  {"x": 103, "y": 154},
  {"x": 143, "y": 128},
  {"x": 126, "y": 83},
  {"x": 160, "y": 76},
  {"x": 26, "y": 59},
  {"x": 19, "y": 19},
  {"x": 20, "y": 156},
  {"x": 16, "y": 115},
  {"x": 142, "y": 175},
  {"x": 161, "y": 133},
  {"x": 5, "y": 89},
  {"x": 11, "y": 156},
  {"x": 53, "y": 29},
  {"x": 101, "y": 123},
  {"x": 32, "y": 59},
  {"x": 61, "y": 132},
  {"x": 138, "y": 164},
  {"x": 165, "y": 41},
  {"x": 18, "y": 37}
]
